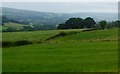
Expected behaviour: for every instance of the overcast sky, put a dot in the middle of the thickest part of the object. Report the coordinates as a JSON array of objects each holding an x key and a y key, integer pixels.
[
  {"x": 65, "y": 7},
  {"x": 60, "y": 0}
]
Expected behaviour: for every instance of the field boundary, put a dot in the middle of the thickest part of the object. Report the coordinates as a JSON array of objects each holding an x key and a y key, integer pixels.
[
  {"x": 26, "y": 42},
  {"x": 61, "y": 34}
]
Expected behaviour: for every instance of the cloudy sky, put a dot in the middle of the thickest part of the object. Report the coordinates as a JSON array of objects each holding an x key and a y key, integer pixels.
[
  {"x": 60, "y": 0},
  {"x": 66, "y": 7}
]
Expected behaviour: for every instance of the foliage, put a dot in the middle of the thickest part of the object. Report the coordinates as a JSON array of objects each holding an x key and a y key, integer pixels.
[
  {"x": 47, "y": 18},
  {"x": 103, "y": 24},
  {"x": 4, "y": 19},
  {"x": 116, "y": 23},
  {"x": 72, "y": 23},
  {"x": 7, "y": 44},
  {"x": 17, "y": 43},
  {"x": 61, "y": 26},
  {"x": 76, "y": 23},
  {"x": 89, "y": 22},
  {"x": 22, "y": 42},
  {"x": 11, "y": 29}
]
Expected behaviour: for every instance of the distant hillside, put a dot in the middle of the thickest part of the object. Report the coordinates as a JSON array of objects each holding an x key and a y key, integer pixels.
[
  {"x": 46, "y": 18},
  {"x": 43, "y": 18}
]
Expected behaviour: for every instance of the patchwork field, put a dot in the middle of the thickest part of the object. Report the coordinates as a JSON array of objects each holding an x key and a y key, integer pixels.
[
  {"x": 33, "y": 36},
  {"x": 12, "y": 25},
  {"x": 89, "y": 51}
]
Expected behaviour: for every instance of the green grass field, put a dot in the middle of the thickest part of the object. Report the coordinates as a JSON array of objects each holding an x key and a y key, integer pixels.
[
  {"x": 94, "y": 51},
  {"x": 32, "y": 36},
  {"x": 11, "y": 25},
  {"x": 14, "y": 25},
  {"x": 0, "y": 60}
]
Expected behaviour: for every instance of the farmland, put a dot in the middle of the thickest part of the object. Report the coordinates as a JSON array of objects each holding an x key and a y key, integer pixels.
[
  {"x": 12, "y": 25},
  {"x": 33, "y": 35},
  {"x": 89, "y": 51}
]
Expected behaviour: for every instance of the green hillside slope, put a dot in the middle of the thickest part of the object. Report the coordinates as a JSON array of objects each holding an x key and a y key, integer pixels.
[
  {"x": 70, "y": 53},
  {"x": 96, "y": 35},
  {"x": 34, "y": 36},
  {"x": 14, "y": 25}
]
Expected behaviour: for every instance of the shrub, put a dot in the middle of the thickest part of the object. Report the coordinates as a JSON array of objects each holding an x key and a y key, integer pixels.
[
  {"x": 103, "y": 24},
  {"x": 62, "y": 33},
  {"x": 72, "y": 32},
  {"x": 7, "y": 44},
  {"x": 17, "y": 43},
  {"x": 11, "y": 29},
  {"x": 87, "y": 30},
  {"x": 22, "y": 42}
]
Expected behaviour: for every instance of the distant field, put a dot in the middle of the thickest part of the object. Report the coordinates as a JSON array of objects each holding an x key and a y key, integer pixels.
[
  {"x": 91, "y": 51},
  {"x": 33, "y": 35},
  {"x": 0, "y": 59},
  {"x": 14, "y": 25},
  {"x": 93, "y": 36},
  {"x": 3, "y": 28}
]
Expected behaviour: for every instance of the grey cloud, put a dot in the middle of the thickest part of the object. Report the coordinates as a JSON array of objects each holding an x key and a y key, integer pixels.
[{"x": 65, "y": 7}]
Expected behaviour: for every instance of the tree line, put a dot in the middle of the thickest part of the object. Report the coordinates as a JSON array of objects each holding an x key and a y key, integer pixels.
[
  {"x": 27, "y": 26},
  {"x": 79, "y": 23},
  {"x": 72, "y": 23}
]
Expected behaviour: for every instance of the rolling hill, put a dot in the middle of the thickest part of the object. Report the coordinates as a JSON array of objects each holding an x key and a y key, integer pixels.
[
  {"x": 46, "y": 18},
  {"x": 91, "y": 51}
]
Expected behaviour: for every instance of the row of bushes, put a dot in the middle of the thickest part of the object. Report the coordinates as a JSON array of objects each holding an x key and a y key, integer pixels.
[
  {"x": 62, "y": 33},
  {"x": 26, "y": 42},
  {"x": 17, "y": 43}
]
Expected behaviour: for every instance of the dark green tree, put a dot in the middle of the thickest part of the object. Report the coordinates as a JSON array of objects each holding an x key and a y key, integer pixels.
[
  {"x": 103, "y": 24},
  {"x": 69, "y": 23},
  {"x": 4, "y": 20},
  {"x": 61, "y": 26},
  {"x": 78, "y": 23},
  {"x": 11, "y": 29},
  {"x": 116, "y": 23},
  {"x": 109, "y": 25},
  {"x": 89, "y": 22},
  {"x": 74, "y": 23}
]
